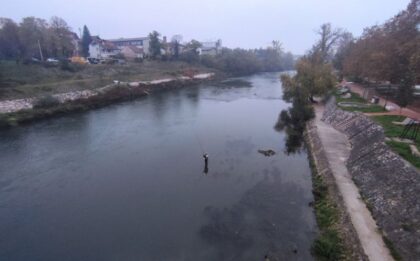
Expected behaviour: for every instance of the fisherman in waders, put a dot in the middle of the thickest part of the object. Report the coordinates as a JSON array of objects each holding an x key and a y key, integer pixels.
[{"x": 206, "y": 163}]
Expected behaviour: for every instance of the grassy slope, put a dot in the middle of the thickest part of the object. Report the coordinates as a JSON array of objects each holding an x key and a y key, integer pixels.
[
  {"x": 392, "y": 130},
  {"x": 21, "y": 81}
]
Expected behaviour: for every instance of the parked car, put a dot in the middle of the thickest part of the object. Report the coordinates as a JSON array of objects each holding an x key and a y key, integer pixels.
[
  {"x": 52, "y": 60},
  {"x": 93, "y": 60}
]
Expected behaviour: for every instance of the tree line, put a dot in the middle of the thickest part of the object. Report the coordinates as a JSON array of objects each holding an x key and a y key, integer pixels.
[
  {"x": 235, "y": 61},
  {"x": 387, "y": 52},
  {"x": 384, "y": 53},
  {"x": 35, "y": 38},
  {"x": 242, "y": 62}
]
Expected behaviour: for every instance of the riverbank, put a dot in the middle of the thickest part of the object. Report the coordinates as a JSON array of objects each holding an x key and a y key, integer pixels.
[
  {"x": 369, "y": 176},
  {"x": 338, "y": 239},
  {"x": 14, "y": 112},
  {"x": 388, "y": 184},
  {"x": 20, "y": 81}
]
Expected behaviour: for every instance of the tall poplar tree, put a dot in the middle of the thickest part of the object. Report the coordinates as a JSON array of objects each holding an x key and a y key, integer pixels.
[{"x": 86, "y": 39}]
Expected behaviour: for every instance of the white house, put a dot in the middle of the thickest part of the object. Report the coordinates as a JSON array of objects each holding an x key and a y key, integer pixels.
[
  {"x": 139, "y": 42},
  {"x": 102, "y": 49},
  {"x": 132, "y": 52},
  {"x": 210, "y": 48}
]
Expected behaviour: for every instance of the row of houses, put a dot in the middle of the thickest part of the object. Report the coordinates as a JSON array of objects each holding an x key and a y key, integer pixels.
[{"x": 133, "y": 48}]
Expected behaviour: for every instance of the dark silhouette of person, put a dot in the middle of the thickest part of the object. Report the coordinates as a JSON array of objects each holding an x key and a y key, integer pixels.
[{"x": 206, "y": 163}]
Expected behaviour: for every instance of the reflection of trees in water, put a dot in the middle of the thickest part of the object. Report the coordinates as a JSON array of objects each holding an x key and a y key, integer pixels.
[
  {"x": 293, "y": 122},
  {"x": 294, "y": 133},
  {"x": 269, "y": 219},
  {"x": 171, "y": 100}
]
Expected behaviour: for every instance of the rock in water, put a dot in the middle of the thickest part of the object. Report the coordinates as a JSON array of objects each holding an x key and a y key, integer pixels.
[{"x": 267, "y": 153}]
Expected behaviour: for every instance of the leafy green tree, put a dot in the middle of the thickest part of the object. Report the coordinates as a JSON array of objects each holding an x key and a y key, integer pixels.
[
  {"x": 293, "y": 120},
  {"x": 154, "y": 45},
  {"x": 314, "y": 77},
  {"x": 317, "y": 78},
  {"x": 86, "y": 40}
]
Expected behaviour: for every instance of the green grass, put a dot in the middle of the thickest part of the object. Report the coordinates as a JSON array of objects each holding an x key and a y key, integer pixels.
[
  {"x": 354, "y": 98},
  {"x": 404, "y": 151},
  {"x": 394, "y": 131},
  {"x": 390, "y": 129},
  {"x": 22, "y": 81},
  {"x": 328, "y": 245},
  {"x": 357, "y": 98},
  {"x": 392, "y": 250},
  {"x": 371, "y": 108}
]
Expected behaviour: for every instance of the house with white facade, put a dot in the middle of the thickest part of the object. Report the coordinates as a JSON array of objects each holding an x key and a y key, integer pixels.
[
  {"x": 141, "y": 43},
  {"x": 210, "y": 48},
  {"x": 102, "y": 49},
  {"x": 132, "y": 52}
]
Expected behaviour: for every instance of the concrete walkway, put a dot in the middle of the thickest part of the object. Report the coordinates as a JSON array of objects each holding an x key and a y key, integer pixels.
[{"x": 337, "y": 150}]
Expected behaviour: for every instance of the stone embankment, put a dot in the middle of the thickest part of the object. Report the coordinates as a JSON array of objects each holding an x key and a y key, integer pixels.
[
  {"x": 10, "y": 106},
  {"x": 389, "y": 185}
]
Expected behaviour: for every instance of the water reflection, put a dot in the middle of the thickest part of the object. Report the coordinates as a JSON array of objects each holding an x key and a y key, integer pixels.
[
  {"x": 126, "y": 182},
  {"x": 294, "y": 134},
  {"x": 267, "y": 220}
]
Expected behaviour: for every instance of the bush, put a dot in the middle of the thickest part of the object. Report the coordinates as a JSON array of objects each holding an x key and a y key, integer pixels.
[
  {"x": 46, "y": 102},
  {"x": 138, "y": 60},
  {"x": 65, "y": 65},
  {"x": 328, "y": 246}
]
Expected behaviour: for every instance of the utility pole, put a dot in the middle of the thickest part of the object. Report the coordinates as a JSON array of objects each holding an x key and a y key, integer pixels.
[{"x": 40, "y": 51}]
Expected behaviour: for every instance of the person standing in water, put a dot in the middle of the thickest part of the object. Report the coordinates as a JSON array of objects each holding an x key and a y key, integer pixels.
[{"x": 206, "y": 163}]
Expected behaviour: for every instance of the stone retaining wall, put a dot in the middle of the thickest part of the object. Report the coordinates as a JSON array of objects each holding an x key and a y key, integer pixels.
[{"x": 389, "y": 184}]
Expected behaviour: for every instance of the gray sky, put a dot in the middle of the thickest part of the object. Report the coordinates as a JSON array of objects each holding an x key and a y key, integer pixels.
[{"x": 239, "y": 23}]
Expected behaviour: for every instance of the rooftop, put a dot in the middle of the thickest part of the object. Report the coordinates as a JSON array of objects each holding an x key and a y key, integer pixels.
[{"x": 128, "y": 39}]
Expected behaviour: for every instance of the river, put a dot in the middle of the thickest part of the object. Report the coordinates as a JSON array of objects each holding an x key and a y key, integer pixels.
[{"x": 127, "y": 182}]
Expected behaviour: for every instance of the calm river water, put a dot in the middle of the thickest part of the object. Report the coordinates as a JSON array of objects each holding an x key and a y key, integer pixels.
[{"x": 127, "y": 182}]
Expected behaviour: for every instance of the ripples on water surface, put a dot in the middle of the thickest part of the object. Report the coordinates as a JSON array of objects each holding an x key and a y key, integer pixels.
[{"x": 126, "y": 182}]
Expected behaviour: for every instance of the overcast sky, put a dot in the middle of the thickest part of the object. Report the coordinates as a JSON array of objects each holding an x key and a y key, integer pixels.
[{"x": 239, "y": 23}]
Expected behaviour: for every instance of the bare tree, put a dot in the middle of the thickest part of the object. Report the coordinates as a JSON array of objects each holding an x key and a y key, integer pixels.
[{"x": 329, "y": 37}]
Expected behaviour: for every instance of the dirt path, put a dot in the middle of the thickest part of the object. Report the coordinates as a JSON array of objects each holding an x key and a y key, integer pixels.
[{"x": 337, "y": 148}]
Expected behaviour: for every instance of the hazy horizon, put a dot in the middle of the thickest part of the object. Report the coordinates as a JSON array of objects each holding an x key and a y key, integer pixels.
[{"x": 246, "y": 23}]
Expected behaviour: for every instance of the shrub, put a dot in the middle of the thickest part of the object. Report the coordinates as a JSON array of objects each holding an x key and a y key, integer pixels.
[
  {"x": 47, "y": 101},
  {"x": 66, "y": 65},
  {"x": 328, "y": 246},
  {"x": 138, "y": 60}
]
